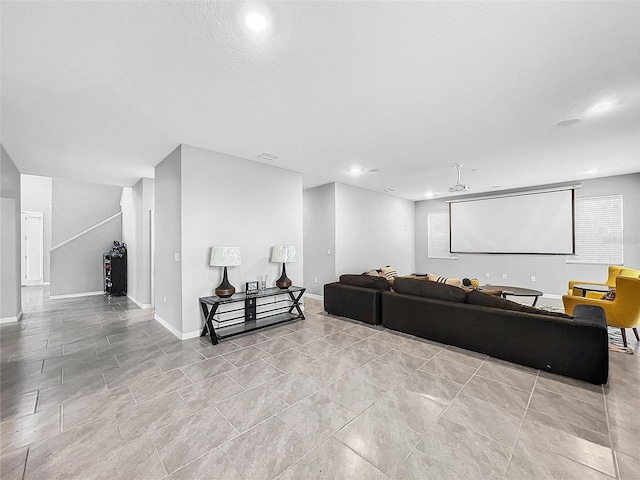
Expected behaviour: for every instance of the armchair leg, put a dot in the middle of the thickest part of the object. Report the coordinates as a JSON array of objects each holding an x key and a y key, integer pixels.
[
  {"x": 635, "y": 330},
  {"x": 624, "y": 337}
]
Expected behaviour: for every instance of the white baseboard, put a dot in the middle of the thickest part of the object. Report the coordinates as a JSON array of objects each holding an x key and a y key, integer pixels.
[
  {"x": 188, "y": 335},
  {"x": 168, "y": 326},
  {"x": 143, "y": 306},
  {"x": 552, "y": 295},
  {"x": 75, "y": 295},
  {"x": 11, "y": 319},
  {"x": 174, "y": 330},
  {"x": 313, "y": 295}
]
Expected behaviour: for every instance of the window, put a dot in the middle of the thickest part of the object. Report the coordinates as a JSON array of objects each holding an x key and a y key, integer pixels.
[
  {"x": 438, "y": 241},
  {"x": 598, "y": 230}
]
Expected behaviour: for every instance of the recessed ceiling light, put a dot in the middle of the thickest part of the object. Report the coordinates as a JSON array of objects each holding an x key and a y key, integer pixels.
[
  {"x": 566, "y": 123},
  {"x": 591, "y": 171},
  {"x": 390, "y": 190},
  {"x": 601, "y": 107},
  {"x": 356, "y": 170},
  {"x": 256, "y": 22},
  {"x": 496, "y": 186},
  {"x": 429, "y": 194}
]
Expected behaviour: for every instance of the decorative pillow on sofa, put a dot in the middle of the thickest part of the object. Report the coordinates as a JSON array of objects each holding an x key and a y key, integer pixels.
[
  {"x": 476, "y": 297},
  {"x": 610, "y": 295},
  {"x": 389, "y": 273},
  {"x": 456, "y": 282},
  {"x": 372, "y": 273},
  {"x": 366, "y": 281},
  {"x": 420, "y": 288}
]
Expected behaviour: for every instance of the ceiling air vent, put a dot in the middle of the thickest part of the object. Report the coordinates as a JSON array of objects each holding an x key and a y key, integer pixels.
[{"x": 269, "y": 156}]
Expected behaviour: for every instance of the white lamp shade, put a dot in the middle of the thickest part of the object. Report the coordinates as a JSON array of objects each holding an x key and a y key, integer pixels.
[
  {"x": 225, "y": 256},
  {"x": 283, "y": 254}
]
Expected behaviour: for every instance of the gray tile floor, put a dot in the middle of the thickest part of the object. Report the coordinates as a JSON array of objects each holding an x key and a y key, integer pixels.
[{"x": 95, "y": 388}]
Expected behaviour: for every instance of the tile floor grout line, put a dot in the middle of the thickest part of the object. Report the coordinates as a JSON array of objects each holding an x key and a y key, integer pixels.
[
  {"x": 26, "y": 459},
  {"x": 614, "y": 455},
  {"x": 526, "y": 410},
  {"x": 460, "y": 391},
  {"x": 160, "y": 459}
]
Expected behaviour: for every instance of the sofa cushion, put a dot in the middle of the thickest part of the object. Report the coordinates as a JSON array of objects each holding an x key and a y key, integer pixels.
[
  {"x": 456, "y": 282},
  {"x": 389, "y": 273},
  {"x": 610, "y": 295},
  {"x": 421, "y": 288},
  {"x": 366, "y": 281},
  {"x": 476, "y": 297},
  {"x": 372, "y": 273}
]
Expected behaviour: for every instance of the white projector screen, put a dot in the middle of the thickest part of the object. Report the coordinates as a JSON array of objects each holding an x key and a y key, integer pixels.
[{"x": 527, "y": 223}]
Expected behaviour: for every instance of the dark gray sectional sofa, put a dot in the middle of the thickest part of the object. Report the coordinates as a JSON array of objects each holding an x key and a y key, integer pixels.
[
  {"x": 357, "y": 297},
  {"x": 572, "y": 346}
]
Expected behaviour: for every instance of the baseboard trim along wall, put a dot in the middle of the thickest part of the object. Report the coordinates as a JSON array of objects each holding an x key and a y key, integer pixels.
[
  {"x": 143, "y": 306},
  {"x": 174, "y": 330},
  {"x": 167, "y": 325},
  {"x": 313, "y": 295},
  {"x": 75, "y": 295},
  {"x": 552, "y": 295},
  {"x": 188, "y": 335},
  {"x": 11, "y": 319}
]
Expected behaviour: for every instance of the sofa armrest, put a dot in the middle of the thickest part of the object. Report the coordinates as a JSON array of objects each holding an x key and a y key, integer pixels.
[
  {"x": 590, "y": 314},
  {"x": 357, "y": 303},
  {"x": 571, "y": 302}
]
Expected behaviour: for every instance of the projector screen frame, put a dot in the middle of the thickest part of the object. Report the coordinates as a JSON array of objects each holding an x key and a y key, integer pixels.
[{"x": 571, "y": 188}]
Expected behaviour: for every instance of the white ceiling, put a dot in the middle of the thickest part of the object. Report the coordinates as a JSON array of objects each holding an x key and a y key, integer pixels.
[{"x": 103, "y": 91}]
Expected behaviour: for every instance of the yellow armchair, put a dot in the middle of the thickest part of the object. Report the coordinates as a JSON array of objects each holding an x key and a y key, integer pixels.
[
  {"x": 622, "y": 312},
  {"x": 614, "y": 272}
]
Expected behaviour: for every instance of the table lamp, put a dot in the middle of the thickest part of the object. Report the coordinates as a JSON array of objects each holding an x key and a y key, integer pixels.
[
  {"x": 283, "y": 254},
  {"x": 225, "y": 256}
]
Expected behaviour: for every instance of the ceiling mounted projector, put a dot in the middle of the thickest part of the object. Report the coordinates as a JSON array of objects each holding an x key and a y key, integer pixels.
[{"x": 458, "y": 187}]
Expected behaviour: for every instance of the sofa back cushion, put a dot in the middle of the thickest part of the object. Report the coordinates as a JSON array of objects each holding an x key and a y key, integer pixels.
[
  {"x": 365, "y": 281},
  {"x": 475, "y": 297},
  {"x": 427, "y": 288}
]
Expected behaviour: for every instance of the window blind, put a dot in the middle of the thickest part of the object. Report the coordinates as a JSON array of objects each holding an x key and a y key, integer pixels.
[
  {"x": 438, "y": 235},
  {"x": 598, "y": 230}
]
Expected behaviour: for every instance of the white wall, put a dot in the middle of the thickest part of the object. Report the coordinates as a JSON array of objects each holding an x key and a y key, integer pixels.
[
  {"x": 168, "y": 224},
  {"x": 373, "y": 230},
  {"x": 129, "y": 236},
  {"x": 36, "y": 194},
  {"x": 10, "y": 291},
  {"x": 319, "y": 237},
  {"x": 136, "y": 204},
  {"x": 76, "y": 268},
  {"x": 231, "y": 201},
  {"x": 143, "y": 196},
  {"x": 551, "y": 271}
]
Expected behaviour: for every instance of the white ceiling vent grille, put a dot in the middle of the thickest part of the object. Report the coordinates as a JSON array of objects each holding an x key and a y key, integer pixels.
[{"x": 269, "y": 156}]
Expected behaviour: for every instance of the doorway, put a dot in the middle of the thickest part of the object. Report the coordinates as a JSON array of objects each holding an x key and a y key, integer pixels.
[{"x": 32, "y": 248}]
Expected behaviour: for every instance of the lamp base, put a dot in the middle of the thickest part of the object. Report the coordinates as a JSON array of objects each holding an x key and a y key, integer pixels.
[
  {"x": 283, "y": 281},
  {"x": 225, "y": 289}
]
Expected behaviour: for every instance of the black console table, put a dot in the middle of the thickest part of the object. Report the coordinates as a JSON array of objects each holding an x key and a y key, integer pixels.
[{"x": 272, "y": 316}]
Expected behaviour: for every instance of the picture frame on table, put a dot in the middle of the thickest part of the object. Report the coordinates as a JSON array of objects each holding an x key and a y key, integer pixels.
[{"x": 251, "y": 288}]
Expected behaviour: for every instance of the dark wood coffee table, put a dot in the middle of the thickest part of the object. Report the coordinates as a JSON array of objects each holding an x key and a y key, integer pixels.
[{"x": 515, "y": 291}]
